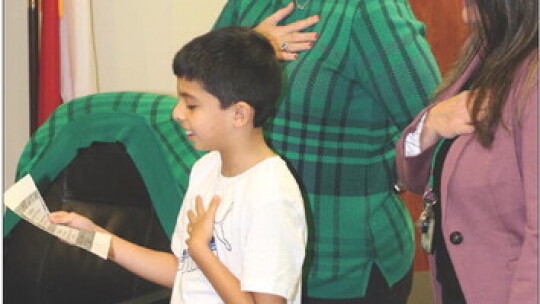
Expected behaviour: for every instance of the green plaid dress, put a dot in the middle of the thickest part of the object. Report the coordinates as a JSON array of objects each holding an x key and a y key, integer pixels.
[{"x": 346, "y": 101}]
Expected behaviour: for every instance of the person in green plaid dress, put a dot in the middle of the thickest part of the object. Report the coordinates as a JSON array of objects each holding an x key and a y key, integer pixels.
[{"x": 347, "y": 98}]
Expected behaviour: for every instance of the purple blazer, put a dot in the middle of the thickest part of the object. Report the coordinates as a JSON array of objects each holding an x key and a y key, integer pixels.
[{"x": 490, "y": 199}]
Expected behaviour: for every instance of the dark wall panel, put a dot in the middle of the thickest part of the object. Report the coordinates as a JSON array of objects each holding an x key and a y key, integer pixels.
[{"x": 446, "y": 31}]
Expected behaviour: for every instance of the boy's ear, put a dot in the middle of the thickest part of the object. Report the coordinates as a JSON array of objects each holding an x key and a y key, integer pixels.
[{"x": 243, "y": 113}]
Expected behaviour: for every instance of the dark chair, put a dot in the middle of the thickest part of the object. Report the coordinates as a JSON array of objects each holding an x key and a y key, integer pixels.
[{"x": 103, "y": 184}]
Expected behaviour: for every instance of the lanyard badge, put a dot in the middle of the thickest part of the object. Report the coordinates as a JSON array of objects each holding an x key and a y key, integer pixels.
[{"x": 426, "y": 222}]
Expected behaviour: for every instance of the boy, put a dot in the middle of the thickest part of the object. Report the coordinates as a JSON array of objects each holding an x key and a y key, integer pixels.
[{"x": 241, "y": 232}]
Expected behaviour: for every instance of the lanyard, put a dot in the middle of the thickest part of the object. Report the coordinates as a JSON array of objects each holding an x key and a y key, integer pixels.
[
  {"x": 426, "y": 222},
  {"x": 429, "y": 193}
]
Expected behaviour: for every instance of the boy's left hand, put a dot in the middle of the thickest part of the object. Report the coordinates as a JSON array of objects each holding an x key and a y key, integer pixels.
[
  {"x": 201, "y": 223},
  {"x": 74, "y": 220}
]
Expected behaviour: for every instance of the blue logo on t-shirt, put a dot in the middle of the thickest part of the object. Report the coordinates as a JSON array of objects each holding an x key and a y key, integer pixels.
[{"x": 187, "y": 264}]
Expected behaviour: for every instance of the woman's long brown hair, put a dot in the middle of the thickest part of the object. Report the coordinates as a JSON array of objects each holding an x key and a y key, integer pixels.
[{"x": 504, "y": 36}]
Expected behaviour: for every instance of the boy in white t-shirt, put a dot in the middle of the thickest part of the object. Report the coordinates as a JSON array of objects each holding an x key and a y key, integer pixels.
[{"x": 241, "y": 233}]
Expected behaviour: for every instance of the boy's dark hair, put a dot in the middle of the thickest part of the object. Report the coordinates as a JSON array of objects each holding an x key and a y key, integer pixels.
[{"x": 234, "y": 64}]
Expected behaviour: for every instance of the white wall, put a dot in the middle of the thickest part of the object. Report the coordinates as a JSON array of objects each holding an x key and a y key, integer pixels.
[{"x": 135, "y": 42}]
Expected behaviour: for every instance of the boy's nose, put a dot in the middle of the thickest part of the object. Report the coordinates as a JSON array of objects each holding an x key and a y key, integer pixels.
[{"x": 178, "y": 114}]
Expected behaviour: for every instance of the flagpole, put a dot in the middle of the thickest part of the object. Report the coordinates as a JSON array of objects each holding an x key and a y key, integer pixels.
[{"x": 33, "y": 58}]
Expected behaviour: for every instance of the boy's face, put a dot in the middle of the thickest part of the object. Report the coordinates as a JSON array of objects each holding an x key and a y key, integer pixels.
[{"x": 200, "y": 114}]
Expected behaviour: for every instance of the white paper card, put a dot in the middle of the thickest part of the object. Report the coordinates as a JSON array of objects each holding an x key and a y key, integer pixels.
[{"x": 24, "y": 199}]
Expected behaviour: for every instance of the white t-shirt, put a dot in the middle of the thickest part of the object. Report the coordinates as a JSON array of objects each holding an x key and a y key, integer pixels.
[{"x": 259, "y": 232}]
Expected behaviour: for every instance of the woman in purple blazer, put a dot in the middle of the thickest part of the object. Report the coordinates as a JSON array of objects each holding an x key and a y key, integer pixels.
[{"x": 473, "y": 154}]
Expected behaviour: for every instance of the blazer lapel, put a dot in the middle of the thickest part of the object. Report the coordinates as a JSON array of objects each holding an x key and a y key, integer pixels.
[{"x": 456, "y": 87}]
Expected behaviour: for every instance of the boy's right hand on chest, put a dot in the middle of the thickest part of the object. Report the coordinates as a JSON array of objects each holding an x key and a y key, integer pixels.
[{"x": 74, "y": 220}]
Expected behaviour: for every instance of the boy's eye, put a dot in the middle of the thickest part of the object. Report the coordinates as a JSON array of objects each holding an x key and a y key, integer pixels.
[{"x": 191, "y": 107}]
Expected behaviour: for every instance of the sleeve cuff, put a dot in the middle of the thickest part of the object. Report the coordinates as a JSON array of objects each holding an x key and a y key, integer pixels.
[{"x": 412, "y": 140}]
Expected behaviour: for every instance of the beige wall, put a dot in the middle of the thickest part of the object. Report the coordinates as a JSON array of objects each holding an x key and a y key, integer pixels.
[
  {"x": 137, "y": 39},
  {"x": 16, "y": 105},
  {"x": 135, "y": 43}
]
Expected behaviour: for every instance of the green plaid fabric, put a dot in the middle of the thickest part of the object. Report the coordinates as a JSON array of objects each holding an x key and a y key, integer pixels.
[
  {"x": 141, "y": 121},
  {"x": 345, "y": 104}
]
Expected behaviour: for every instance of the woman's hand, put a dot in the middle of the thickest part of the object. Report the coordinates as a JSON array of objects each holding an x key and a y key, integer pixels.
[
  {"x": 287, "y": 39},
  {"x": 201, "y": 223},
  {"x": 74, "y": 220},
  {"x": 449, "y": 118}
]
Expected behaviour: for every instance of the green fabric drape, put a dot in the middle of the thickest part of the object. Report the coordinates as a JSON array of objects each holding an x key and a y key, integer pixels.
[{"x": 141, "y": 121}]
